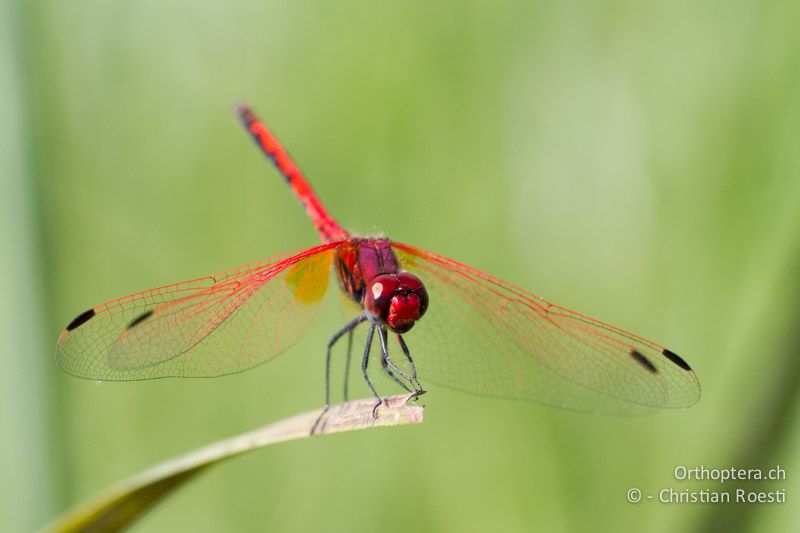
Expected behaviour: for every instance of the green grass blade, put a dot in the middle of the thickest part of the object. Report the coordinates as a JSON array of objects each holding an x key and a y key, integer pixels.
[{"x": 120, "y": 505}]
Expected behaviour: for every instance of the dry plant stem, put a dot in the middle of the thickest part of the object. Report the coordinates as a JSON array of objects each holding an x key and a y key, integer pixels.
[{"x": 118, "y": 506}]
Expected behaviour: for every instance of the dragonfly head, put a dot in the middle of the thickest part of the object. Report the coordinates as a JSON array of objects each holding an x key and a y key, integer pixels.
[{"x": 397, "y": 300}]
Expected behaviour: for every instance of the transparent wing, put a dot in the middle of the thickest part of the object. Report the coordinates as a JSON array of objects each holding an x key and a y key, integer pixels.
[
  {"x": 206, "y": 327},
  {"x": 485, "y": 336}
]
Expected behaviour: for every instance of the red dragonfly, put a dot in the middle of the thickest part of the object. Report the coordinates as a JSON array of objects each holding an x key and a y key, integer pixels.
[{"x": 476, "y": 333}]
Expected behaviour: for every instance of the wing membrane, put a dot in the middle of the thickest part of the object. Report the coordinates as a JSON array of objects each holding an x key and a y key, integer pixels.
[
  {"x": 486, "y": 336},
  {"x": 220, "y": 324}
]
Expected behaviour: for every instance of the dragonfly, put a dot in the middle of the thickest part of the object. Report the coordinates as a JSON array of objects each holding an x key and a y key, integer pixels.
[{"x": 435, "y": 319}]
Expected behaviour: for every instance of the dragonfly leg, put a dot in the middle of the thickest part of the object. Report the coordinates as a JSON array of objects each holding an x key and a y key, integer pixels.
[
  {"x": 414, "y": 380},
  {"x": 386, "y": 362},
  {"x": 338, "y": 335},
  {"x": 364, "y": 362},
  {"x": 347, "y": 362}
]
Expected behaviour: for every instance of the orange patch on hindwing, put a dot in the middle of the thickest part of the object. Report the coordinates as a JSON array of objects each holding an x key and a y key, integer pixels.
[{"x": 309, "y": 278}]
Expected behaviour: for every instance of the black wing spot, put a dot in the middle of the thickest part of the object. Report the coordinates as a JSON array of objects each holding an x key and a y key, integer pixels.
[
  {"x": 80, "y": 319},
  {"x": 644, "y": 361},
  {"x": 141, "y": 318},
  {"x": 677, "y": 359}
]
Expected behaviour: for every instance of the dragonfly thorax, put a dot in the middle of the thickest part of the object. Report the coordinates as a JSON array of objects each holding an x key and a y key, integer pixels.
[{"x": 397, "y": 300}]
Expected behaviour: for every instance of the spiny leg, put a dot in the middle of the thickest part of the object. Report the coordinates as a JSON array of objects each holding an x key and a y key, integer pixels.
[
  {"x": 386, "y": 362},
  {"x": 347, "y": 363},
  {"x": 338, "y": 335},
  {"x": 414, "y": 380},
  {"x": 364, "y": 362}
]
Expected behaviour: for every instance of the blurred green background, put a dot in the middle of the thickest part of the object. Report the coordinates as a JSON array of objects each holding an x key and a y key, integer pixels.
[{"x": 637, "y": 163}]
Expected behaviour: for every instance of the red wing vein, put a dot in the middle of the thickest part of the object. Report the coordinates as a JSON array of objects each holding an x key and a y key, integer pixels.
[
  {"x": 204, "y": 327},
  {"x": 484, "y": 335}
]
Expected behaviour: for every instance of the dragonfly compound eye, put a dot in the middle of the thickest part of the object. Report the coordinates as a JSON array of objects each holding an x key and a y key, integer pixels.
[
  {"x": 379, "y": 295},
  {"x": 412, "y": 284},
  {"x": 397, "y": 300}
]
